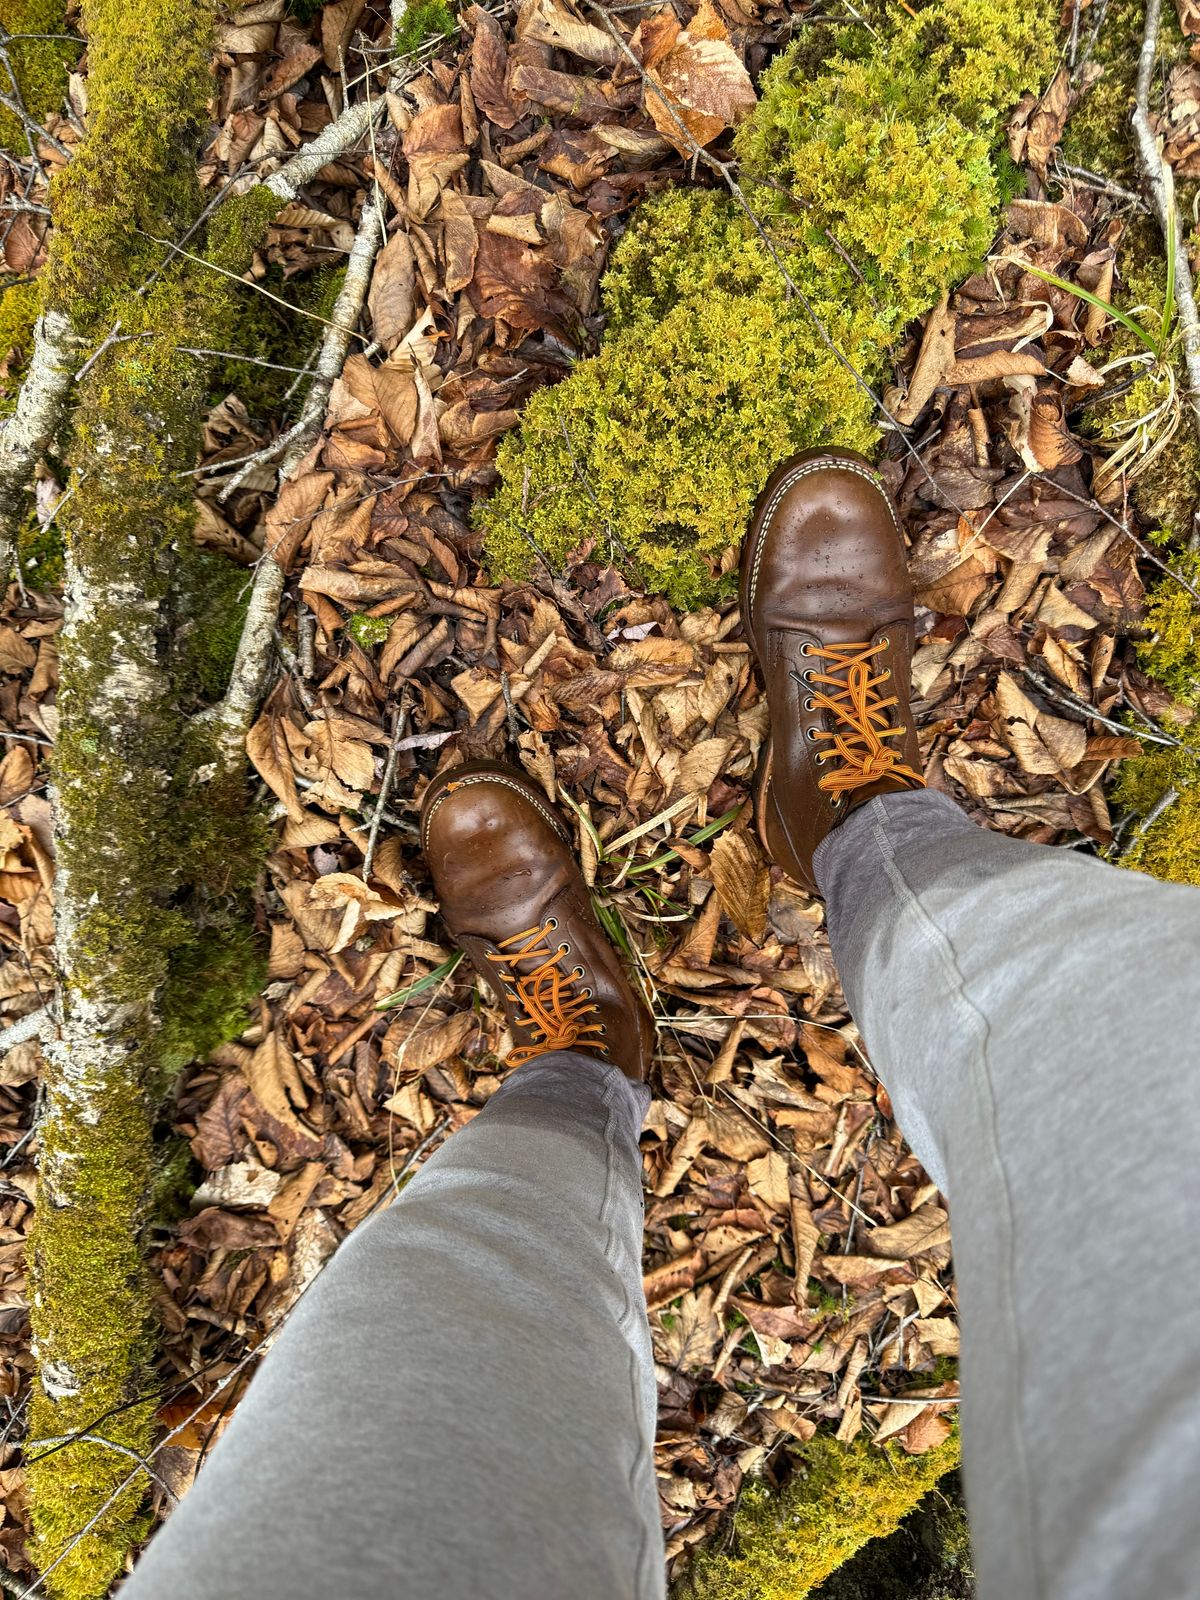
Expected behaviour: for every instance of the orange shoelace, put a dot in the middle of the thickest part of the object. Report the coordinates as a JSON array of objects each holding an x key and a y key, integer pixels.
[
  {"x": 857, "y": 741},
  {"x": 546, "y": 997}
]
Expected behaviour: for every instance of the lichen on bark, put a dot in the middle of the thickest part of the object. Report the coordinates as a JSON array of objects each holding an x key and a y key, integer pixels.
[{"x": 122, "y": 833}]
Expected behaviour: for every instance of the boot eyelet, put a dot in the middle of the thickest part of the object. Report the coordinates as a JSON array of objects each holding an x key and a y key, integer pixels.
[
  {"x": 577, "y": 972},
  {"x": 806, "y": 649},
  {"x": 553, "y": 924},
  {"x": 819, "y": 760},
  {"x": 586, "y": 993},
  {"x": 809, "y": 703},
  {"x": 603, "y": 1027},
  {"x": 836, "y": 801},
  {"x": 564, "y": 949},
  {"x": 885, "y": 642},
  {"x": 810, "y": 734}
]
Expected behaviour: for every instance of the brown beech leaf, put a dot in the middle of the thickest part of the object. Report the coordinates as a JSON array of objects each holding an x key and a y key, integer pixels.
[
  {"x": 391, "y": 297},
  {"x": 934, "y": 361},
  {"x": 925, "y": 1432},
  {"x": 742, "y": 883},
  {"x": 275, "y": 1081},
  {"x": 267, "y": 747},
  {"x": 460, "y": 242},
  {"x": 702, "y": 77},
  {"x": 489, "y": 68},
  {"x": 398, "y": 400},
  {"x": 290, "y": 518},
  {"x": 410, "y": 1048},
  {"x": 551, "y": 22},
  {"x": 339, "y": 18}
]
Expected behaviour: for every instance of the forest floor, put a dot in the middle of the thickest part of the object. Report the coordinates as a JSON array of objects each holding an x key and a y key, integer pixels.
[{"x": 798, "y": 1265}]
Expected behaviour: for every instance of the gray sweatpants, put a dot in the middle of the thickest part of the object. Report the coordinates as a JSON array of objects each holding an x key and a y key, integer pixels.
[{"x": 463, "y": 1406}]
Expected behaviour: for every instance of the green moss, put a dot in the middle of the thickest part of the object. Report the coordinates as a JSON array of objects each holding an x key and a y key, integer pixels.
[
  {"x": 875, "y": 172},
  {"x": 1170, "y": 847},
  {"x": 841, "y": 1496},
  {"x": 1172, "y": 652},
  {"x": 929, "y": 1557},
  {"x": 1097, "y": 135},
  {"x": 40, "y": 66},
  {"x": 368, "y": 631},
  {"x": 214, "y": 978},
  {"x": 271, "y": 331},
  {"x": 40, "y": 554},
  {"x": 18, "y": 314},
  {"x": 92, "y": 1319},
  {"x": 427, "y": 19},
  {"x": 213, "y": 594},
  {"x": 133, "y": 180}
]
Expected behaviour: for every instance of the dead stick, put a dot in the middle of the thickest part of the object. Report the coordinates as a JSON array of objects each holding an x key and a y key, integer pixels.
[
  {"x": 1160, "y": 183},
  {"x": 399, "y": 723}
]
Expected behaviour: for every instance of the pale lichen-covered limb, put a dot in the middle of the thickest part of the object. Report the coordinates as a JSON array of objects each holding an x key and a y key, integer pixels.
[
  {"x": 1160, "y": 184},
  {"x": 128, "y": 527},
  {"x": 35, "y": 424},
  {"x": 232, "y": 718}
]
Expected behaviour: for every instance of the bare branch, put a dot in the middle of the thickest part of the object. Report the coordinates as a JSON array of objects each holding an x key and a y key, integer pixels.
[
  {"x": 34, "y": 426},
  {"x": 35, "y": 1025},
  {"x": 1160, "y": 183},
  {"x": 233, "y": 716},
  {"x": 1157, "y": 810}
]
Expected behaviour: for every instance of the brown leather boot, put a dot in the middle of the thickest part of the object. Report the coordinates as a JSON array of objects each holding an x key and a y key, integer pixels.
[
  {"x": 828, "y": 610},
  {"x": 514, "y": 898}
]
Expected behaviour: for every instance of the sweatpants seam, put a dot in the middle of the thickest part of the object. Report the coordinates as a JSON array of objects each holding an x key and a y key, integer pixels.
[
  {"x": 979, "y": 1027},
  {"x": 643, "y": 1462}
]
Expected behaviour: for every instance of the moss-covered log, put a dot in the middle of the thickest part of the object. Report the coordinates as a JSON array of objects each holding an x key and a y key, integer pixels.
[
  {"x": 783, "y": 1544},
  {"x": 128, "y": 526}
]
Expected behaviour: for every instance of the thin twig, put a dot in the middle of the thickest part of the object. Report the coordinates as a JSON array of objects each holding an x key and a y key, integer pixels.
[
  {"x": 31, "y": 125},
  {"x": 399, "y": 723},
  {"x": 109, "y": 1444},
  {"x": 233, "y": 715},
  {"x": 1159, "y": 809},
  {"x": 1097, "y": 180},
  {"x": 1160, "y": 182},
  {"x": 1146, "y": 550},
  {"x": 1081, "y": 707},
  {"x": 35, "y": 1025}
]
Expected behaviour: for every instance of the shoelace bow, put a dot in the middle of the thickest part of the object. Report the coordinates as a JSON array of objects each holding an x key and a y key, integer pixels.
[
  {"x": 548, "y": 998},
  {"x": 857, "y": 740}
]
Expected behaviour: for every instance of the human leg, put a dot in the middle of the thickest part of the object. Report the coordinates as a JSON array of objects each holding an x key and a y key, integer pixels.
[
  {"x": 1031, "y": 1013},
  {"x": 463, "y": 1405}
]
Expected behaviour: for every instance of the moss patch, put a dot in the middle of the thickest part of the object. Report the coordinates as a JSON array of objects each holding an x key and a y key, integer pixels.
[
  {"x": 841, "y": 1496},
  {"x": 873, "y": 164},
  {"x": 40, "y": 66},
  {"x": 427, "y": 19}
]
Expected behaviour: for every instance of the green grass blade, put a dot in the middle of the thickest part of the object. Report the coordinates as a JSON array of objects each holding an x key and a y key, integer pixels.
[
  {"x": 1123, "y": 317},
  {"x": 419, "y": 985},
  {"x": 701, "y": 836}
]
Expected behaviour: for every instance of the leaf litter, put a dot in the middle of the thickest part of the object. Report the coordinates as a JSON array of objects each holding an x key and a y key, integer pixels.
[{"x": 798, "y": 1267}]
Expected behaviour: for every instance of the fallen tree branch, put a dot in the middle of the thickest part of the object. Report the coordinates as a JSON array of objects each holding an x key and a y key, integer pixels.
[
  {"x": 1160, "y": 183},
  {"x": 232, "y": 717},
  {"x": 1159, "y": 809},
  {"x": 36, "y": 423},
  {"x": 35, "y": 1025}
]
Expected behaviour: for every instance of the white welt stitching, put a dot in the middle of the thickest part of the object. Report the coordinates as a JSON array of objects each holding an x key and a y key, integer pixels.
[
  {"x": 489, "y": 777},
  {"x": 826, "y": 464}
]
